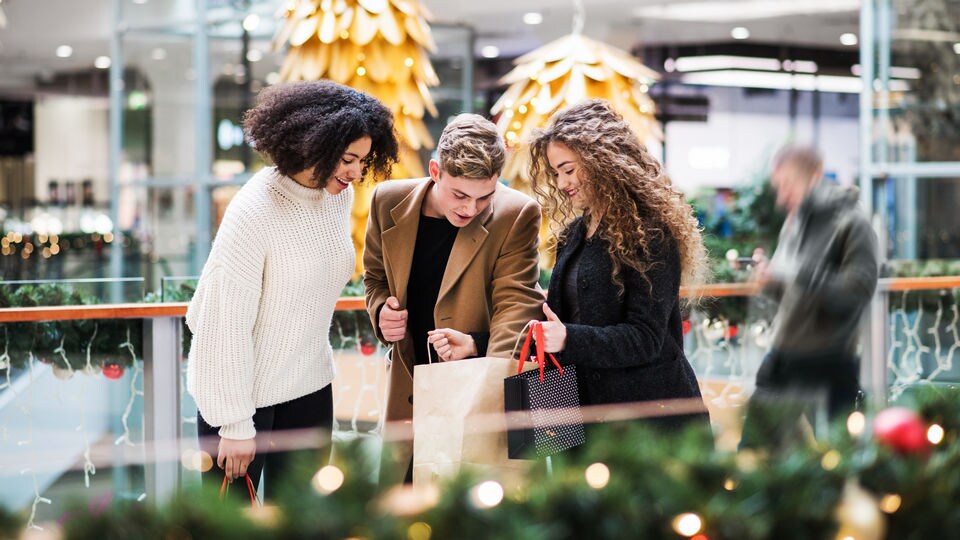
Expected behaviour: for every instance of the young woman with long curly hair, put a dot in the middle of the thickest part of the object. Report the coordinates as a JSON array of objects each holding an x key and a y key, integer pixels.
[
  {"x": 614, "y": 303},
  {"x": 261, "y": 361}
]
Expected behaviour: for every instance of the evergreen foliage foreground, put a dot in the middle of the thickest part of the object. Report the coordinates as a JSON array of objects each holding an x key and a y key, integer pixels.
[{"x": 627, "y": 483}]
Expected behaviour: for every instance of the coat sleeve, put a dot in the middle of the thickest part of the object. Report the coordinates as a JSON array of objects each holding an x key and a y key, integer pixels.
[
  {"x": 377, "y": 290},
  {"x": 638, "y": 339},
  {"x": 515, "y": 293},
  {"x": 847, "y": 288},
  {"x": 221, "y": 316}
]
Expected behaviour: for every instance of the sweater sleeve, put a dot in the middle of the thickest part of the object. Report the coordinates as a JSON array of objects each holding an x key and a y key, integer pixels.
[{"x": 221, "y": 316}]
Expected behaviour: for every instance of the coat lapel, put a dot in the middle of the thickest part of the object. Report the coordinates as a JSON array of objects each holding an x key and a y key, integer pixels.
[
  {"x": 399, "y": 241},
  {"x": 468, "y": 243}
]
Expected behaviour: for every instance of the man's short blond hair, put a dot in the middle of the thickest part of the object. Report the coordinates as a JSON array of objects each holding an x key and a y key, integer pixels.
[{"x": 470, "y": 147}]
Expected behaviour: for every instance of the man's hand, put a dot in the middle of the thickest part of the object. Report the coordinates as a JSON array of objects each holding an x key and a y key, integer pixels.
[
  {"x": 393, "y": 320},
  {"x": 554, "y": 332},
  {"x": 451, "y": 344},
  {"x": 761, "y": 273},
  {"x": 234, "y": 456}
]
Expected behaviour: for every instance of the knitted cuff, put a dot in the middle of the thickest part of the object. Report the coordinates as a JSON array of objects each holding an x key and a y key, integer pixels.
[{"x": 239, "y": 430}]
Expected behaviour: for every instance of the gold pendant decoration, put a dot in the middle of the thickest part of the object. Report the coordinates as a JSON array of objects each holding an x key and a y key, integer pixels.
[
  {"x": 376, "y": 46},
  {"x": 562, "y": 73}
]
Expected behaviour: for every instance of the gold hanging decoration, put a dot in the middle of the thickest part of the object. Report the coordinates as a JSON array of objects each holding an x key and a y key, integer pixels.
[
  {"x": 376, "y": 46},
  {"x": 562, "y": 73}
]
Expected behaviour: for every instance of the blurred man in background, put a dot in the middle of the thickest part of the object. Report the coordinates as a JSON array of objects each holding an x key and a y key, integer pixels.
[{"x": 823, "y": 275}]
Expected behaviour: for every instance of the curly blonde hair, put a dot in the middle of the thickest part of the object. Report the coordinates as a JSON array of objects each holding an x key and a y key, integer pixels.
[{"x": 632, "y": 198}]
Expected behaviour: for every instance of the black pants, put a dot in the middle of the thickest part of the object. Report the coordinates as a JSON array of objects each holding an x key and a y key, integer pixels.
[
  {"x": 312, "y": 411},
  {"x": 790, "y": 385}
]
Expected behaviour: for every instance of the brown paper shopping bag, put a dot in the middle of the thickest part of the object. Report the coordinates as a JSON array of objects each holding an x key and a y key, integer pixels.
[{"x": 458, "y": 420}]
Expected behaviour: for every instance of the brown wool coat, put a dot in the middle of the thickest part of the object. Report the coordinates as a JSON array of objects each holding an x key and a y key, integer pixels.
[{"x": 490, "y": 283}]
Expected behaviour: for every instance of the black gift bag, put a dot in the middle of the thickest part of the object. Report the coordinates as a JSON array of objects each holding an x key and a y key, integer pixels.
[{"x": 553, "y": 422}]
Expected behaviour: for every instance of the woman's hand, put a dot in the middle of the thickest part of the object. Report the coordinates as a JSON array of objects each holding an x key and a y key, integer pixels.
[
  {"x": 235, "y": 455},
  {"x": 554, "y": 332},
  {"x": 451, "y": 344}
]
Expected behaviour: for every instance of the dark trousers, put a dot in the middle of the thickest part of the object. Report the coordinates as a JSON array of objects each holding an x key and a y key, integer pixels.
[
  {"x": 790, "y": 385},
  {"x": 312, "y": 411}
]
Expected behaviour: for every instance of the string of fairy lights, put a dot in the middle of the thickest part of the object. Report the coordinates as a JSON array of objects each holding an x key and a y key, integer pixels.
[{"x": 50, "y": 245}]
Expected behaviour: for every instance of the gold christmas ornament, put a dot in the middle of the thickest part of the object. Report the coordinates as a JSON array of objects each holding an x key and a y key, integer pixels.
[
  {"x": 562, "y": 73},
  {"x": 859, "y": 515},
  {"x": 376, "y": 46},
  {"x": 565, "y": 72},
  {"x": 62, "y": 373}
]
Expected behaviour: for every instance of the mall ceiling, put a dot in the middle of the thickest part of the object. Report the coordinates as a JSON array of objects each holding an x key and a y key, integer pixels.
[{"x": 35, "y": 29}]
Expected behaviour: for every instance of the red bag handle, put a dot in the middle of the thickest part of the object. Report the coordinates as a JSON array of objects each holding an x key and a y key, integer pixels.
[
  {"x": 250, "y": 489},
  {"x": 536, "y": 330}
]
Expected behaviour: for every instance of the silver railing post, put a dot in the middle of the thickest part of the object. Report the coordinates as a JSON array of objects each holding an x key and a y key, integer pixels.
[
  {"x": 161, "y": 406},
  {"x": 873, "y": 365}
]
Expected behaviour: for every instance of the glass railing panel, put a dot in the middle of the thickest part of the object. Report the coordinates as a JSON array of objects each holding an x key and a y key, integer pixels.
[
  {"x": 63, "y": 292},
  {"x": 71, "y": 414},
  {"x": 923, "y": 339},
  {"x": 725, "y": 339}
]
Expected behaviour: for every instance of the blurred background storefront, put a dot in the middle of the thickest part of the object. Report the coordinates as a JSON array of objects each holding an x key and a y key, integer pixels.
[{"x": 120, "y": 118}]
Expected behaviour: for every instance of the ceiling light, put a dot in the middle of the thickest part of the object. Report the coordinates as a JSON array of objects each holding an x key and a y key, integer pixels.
[
  {"x": 251, "y": 22},
  {"x": 532, "y": 18},
  {"x": 783, "y": 81},
  {"x": 273, "y": 77},
  {"x": 904, "y": 72},
  {"x": 739, "y": 33},
  {"x": 139, "y": 1},
  {"x": 742, "y": 10},
  {"x": 719, "y": 61},
  {"x": 158, "y": 54},
  {"x": 801, "y": 66},
  {"x": 254, "y": 55},
  {"x": 848, "y": 39},
  {"x": 102, "y": 62},
  {"x": 64, "y": 51},
  {"x": 956, "y": 48},
  {"x": 490, "y": 51}
]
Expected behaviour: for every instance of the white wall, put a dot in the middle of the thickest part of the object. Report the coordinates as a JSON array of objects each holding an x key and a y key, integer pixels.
[
  {"x": 72, "y": 143},
  {"x": 743, "y": 132}
]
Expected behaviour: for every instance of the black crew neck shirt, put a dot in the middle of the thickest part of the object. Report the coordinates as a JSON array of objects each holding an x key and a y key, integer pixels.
[{"x": 435, "y": 238}]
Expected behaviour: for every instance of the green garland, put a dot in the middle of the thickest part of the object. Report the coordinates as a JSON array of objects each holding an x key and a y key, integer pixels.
[
  {"x": 654, "y": 480},
  {"x": 65, "y": 344}
]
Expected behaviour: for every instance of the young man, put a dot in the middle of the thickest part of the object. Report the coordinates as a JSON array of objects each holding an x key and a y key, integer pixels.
[
  {"x": 451, "y": 258},
  {"x": 823, "y": 274}
]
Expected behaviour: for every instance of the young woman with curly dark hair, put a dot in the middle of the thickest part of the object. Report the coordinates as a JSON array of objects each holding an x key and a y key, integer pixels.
[
  {"x": 261, "y": 361},
  {"x": 614, "y": 303}
]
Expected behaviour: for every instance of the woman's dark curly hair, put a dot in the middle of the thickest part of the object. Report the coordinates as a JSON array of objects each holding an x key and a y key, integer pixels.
[{"x": 309, "y": 125}]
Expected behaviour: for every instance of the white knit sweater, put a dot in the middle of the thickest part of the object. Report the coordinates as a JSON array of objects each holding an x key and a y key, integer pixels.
[{"x": 261, "y": 313}]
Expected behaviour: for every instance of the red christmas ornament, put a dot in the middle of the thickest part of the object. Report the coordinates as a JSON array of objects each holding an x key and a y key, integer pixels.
[
  {"x": 731, "y": 331},
  {"x": 113, "y": 371},
  {"x": 902, "y": 430},
  {"x": 687, "y": 326},
  {"x": 367, "y": 347}
]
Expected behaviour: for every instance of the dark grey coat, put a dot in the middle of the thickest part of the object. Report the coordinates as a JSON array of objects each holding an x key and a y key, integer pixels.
[
  {"x": 824, "y": 273},
  {"x": 629, "y": 348}
]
